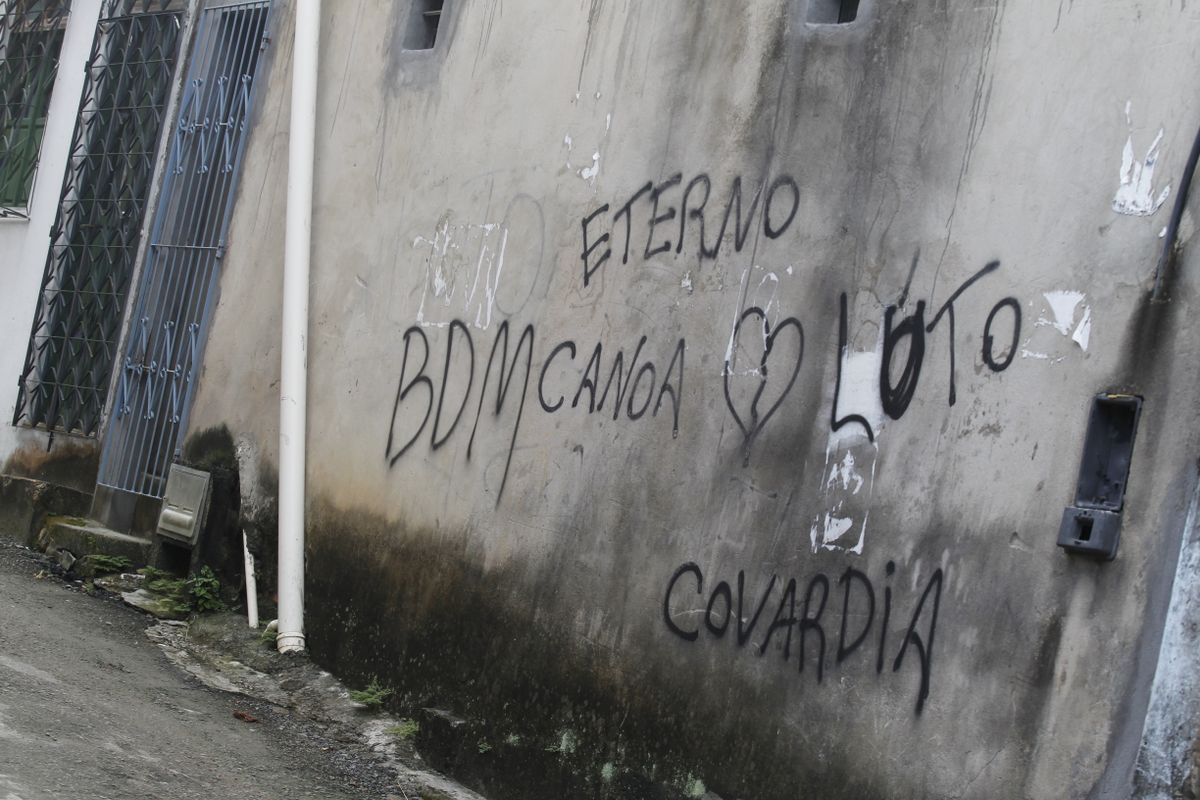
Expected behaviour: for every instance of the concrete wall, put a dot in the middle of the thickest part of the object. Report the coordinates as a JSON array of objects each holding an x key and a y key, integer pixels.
[
  {"x": 24, "y": 244},
  {"x": 806, "y": 539}
]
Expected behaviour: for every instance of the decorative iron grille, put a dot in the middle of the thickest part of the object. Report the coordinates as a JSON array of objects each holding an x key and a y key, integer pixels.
[
  {"x": 31, "y": 37},
  {"x": 171, "y": 314},
  {"x": 94, "y": 240}
]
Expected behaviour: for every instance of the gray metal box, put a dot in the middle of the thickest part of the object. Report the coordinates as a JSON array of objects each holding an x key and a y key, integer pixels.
[{"x": 184, "y": 505}]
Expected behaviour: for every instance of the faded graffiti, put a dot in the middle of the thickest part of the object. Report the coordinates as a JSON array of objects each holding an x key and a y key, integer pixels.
[{"x": 463, "y": 265}]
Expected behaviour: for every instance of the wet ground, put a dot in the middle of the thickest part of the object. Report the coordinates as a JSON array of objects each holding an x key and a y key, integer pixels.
[{"x": 90, "y": 707}]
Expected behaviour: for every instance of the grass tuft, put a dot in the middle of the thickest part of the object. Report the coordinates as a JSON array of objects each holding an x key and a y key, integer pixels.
[
  {"x": 372, "y": 696},
  {"x": 405, "y": 730}
]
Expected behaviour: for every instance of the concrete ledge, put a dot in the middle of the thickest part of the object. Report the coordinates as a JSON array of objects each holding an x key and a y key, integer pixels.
[
  {"x": 81, "y": 537},
  {"x": 25, "y": 503}
]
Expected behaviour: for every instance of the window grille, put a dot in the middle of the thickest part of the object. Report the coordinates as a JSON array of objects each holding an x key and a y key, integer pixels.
[
  {"x": 95, "y": 236},
  {"x": 170, "y": 316},
  {"x": 31, "y": 36}
]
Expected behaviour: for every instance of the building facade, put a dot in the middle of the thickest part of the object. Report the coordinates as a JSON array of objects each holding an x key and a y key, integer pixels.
[{"x": 710, "y": 386}]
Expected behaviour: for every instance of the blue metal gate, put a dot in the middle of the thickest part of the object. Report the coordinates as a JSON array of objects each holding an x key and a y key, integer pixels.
[{"x": 170, "y": 320}]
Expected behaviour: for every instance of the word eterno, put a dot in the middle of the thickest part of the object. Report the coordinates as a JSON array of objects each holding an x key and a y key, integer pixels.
[{"x": 777, "y": 203}]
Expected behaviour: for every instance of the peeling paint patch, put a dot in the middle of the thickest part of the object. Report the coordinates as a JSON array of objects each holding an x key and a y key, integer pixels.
[
  {"x": 847, "y": 489},
  {"x": 757, "y": 291},
  {"x": 1135, "y": 196},
  {"x": 1066, "y": 307},
  {"x": 845, "y": 475},
  {"x": 1083, "y": 334},
  {"x": 589, "y": 173},
  {"x": 826, "y": 534},
  {"x": 1062, "y": 305},
  {"x": 463, "y": 265},
  {"x": 859, "y": 395},
  {"x": 1026, "y": 353}
]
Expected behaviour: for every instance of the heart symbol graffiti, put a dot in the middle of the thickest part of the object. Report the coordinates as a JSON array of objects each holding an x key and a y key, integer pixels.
[{"x": 757, "y": 421}]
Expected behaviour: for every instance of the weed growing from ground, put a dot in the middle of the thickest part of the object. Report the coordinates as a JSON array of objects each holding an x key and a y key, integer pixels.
[
  {"x": 107, "y": 565},
  {"x": 372, "y": 696},
  {"x": 205, "y": 591},
  {"x": 201, "y": 592},
  {"x": 407, "y": 729}
]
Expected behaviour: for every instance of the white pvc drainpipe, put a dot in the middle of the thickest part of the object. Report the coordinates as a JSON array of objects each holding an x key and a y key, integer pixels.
[
  {"x": 293, "y": 393},
  {"x": 251, "y": 584}
]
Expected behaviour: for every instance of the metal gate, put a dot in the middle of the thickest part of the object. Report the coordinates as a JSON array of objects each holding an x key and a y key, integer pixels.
[{"x": 170, "y": 320}]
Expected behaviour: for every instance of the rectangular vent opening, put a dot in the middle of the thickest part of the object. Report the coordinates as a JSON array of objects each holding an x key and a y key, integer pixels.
[
  {"x": 1108, "y": 452},
  {"x": 1084, "y": 534},
  {"x": 832, "y": 12},
  {"x": 423, "y": 25}
]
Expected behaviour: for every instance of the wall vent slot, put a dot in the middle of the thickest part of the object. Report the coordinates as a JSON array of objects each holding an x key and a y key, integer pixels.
[
  {"x": 423, "y": 25},
  {"x": 1092, "y": 524},
  {"x": 832, "y": 12}
]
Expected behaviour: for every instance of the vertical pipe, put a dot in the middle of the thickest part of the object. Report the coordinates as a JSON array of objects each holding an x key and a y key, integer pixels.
[
  {"x": 293, "y": 394},
  {"x": 251, "y": 584}
]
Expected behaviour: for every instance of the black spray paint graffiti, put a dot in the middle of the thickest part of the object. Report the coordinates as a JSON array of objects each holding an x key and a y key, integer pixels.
[
  {"x": 628, "y": 384},
  {"x": 643, "y": 388},
  {"x": 812, "y": 625},
  {"x": 898, "y": 380},
  {"x": 395, "y": 451},
  {"x": 778, "y": 210},
  {"x": 752, "y": 423},
  {"x": 668, "y": 208},
  {"x": 633, "y": 391}
]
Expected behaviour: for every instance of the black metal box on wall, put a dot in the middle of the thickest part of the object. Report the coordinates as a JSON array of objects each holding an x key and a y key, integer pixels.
[{"x": 1092, "y": 525}]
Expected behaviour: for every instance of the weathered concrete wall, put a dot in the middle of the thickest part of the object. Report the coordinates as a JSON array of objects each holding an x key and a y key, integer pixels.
[
  {"x": 584, "y": 441},
  {"x": 24, "y": 244}
]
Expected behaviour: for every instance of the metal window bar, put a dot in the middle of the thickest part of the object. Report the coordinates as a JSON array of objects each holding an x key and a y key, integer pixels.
[
  {"x": 31, "y": 37},
  {"x": 95, "y": 236},
  {"x": 174, "y": 301}
]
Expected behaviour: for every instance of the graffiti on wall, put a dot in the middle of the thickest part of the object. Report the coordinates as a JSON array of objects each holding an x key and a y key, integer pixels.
[
  {"x": 469, "y": 370},
  {"x": 809, "y": 619},
  {"x": 639, "y": 379},
  {"x": 633, "y": 388}
]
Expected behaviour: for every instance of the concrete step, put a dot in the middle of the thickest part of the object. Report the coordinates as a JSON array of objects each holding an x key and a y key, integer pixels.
[
  {"x": 83, "y": 537},
  {"x": 25, "y": 503}
]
